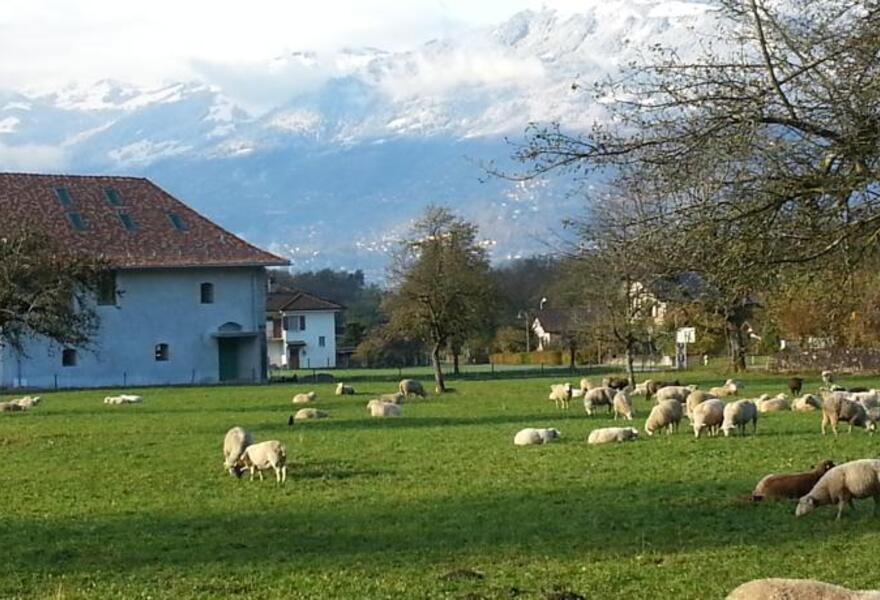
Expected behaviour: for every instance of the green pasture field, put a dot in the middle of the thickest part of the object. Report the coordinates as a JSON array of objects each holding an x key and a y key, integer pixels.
[{"x": 132, "y": 501}]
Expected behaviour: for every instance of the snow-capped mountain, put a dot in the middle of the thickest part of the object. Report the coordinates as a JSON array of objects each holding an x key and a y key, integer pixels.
[{"x": 360, "y": 140}]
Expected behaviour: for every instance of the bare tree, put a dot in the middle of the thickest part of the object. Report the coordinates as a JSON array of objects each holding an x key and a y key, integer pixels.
[{"x": 442, "y": 289}]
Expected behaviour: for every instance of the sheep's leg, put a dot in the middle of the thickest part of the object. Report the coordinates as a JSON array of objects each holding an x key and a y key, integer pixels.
[
  {"x": 252, "y": 469},
  {"x": 283, "y": 473},
  {"x": 840, "y": 506},
  {"x": 260, "y": 471}
]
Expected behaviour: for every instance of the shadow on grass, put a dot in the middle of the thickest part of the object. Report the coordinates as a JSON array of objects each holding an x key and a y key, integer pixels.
[{"x": 571, "y": 522}]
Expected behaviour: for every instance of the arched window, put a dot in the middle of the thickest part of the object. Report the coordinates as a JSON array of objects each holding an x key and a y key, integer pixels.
[
  {"x": 162, "y": 352},
  {"x": 207, "y": 293}
]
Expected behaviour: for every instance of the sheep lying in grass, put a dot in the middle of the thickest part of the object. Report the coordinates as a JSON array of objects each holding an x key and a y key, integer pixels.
[
  {"x": 123, "y": 399},
  {"x": 666, "y": 414},
  {"x": 695, "y": 398},
  {"x": 840, "y": 485},
  {"x": 806, "y": 403},
  {"x": 708, "y": 415},
  {"x": 10, "y": 407},
  {"x": 560, "y": 393},
  {"x": 531, "y": 436},
  {"x": 777, "y": 404},
  {"x": 600, "y": 396},
  {"x": 729, "y": 388},
  {"x": 395, "y": 398},
  {"x": 344, "y": 390},
  {"x": 304, "y": 398},
  {"x": 610, "y": 435},
  {"x": 380, "y": 409},
  {"x": 622, "y": 405},
  {"x": 674, "y": 392},
  {"x": 411, "y": 387},
  {"x": 797, "y": 589},
  {"x": 234, "y": 445},
  {"x": 737, "y": 415},
  {"x": 792, "y": 485},
  {"x": 266, "y": 455},
  {"x": 308, "y": 414},
  {"x": 837, "y": 407},
  {"x": 26, "y": 403}
]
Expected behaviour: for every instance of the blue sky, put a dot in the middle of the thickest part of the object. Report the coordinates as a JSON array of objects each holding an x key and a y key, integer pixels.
[{"x": 45, "y": 44}]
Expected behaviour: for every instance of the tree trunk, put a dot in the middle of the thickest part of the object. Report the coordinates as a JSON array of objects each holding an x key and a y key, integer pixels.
[
  {"x": 455, "y": 354},
  {"x": 438, "y": 373},
  {"x": 630, "y": 370},
  {"x": 572, "y": 351},
  {"x": 737, "y": 347}
]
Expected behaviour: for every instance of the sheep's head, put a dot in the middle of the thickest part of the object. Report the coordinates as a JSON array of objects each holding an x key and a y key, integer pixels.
[
  {"x": 554, "y": 434},
  {"x": 805, "y": 505},
  {"x": 825, "y": 466},
  {"x": 727, "y": 428},
  {"x": 633, "y": 431}
]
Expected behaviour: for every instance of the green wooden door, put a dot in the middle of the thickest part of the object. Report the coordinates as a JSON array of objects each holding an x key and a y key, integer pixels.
[{"x": 228, "y": 349}]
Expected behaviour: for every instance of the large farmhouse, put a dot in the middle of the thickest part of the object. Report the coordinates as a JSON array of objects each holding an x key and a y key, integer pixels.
[{"x": 185, "y": 302}]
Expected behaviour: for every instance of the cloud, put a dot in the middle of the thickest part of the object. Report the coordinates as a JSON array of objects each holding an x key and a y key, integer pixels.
[{"x": 32, "y": 157}]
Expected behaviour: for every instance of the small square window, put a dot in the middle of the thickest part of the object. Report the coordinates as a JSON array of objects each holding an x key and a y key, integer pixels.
[
  {"x": 322, "y": 341},
  {"x": 68, "y": 357},
  {"x": 207, "y": 293},
  {"x": 162, "y": 353},
  {"x": 107, "y": 289}
]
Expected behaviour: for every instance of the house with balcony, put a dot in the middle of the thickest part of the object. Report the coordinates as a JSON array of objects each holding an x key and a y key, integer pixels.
[
  {"x": 300, "y": 330},
  {"x": 183, "y": 301}
]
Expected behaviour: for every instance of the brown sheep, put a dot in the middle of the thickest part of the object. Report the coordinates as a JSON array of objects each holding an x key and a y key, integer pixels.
[
  {"x": 616, "y": 383},
  {"x": 794, "y": 485}
]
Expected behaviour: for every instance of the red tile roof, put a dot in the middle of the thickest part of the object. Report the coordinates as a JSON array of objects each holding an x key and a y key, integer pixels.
[
  {"x": 146, "y": 238},
  {"x": 296, "y": 300}
]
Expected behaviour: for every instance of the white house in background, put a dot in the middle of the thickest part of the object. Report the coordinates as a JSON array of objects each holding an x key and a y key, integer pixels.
[
  {"x": 184, "y": 302},
  {"x": 301, "y": 330}
]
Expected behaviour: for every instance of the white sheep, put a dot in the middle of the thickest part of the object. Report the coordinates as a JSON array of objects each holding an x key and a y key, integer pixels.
[
  {"x": 797, "y": 589},
  {"x": 531, "y": 436},
  {"x": 737, "y": 415},
  {"x": 265, "y": 455},
  {"x": 622, "y": 405},
  {"x": 395, "y": 398},
  {"x": 869, "y": 399},
  {"x": 674, "y": 392},
  {"x": 26, "y": 403},
  {"x": 560, "y": 393},
  {"x": 304, "y": 398},
  {"x": 577, "y": 393},
  {"x": 10, "y": 407},
  {"x": 379, "y": 409},
  {"x": 730, "y": 388},
  {"x": 843, "y": 483},
  {"x": 806, "y": 403},
  {"x": 586, "y": 384},
  {"x": 836, "y": 407},
  {"x": 234, "y": 445},
  {"x": 344, "y": 390},
  {"x": 600, "y": 396},
  {"x": 665, "y": 415},
  {"x": 708, "y": 415},
  {"x": 307, "y": 414},
  {"x": 693, "y": 399},
  {"x": 641, "y": 389},
  {"x": 610, "y": 435},
  {"x": 777, "y": 404},
  {"x": 411, "y": 387},
  {"x": 123, "y": 399},
  {"x": 827, "y": 378}
]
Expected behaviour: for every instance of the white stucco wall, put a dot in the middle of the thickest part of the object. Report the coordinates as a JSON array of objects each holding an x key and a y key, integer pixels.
[
  {"x": 153, "y": 307},
  {"x": 312, "y": 355}
]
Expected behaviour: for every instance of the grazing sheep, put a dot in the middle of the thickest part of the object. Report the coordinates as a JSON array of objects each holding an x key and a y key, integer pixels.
[
  {"x": 797, "y": 589},
  {"x": 344, "y": 390},
  {"x": 307, "y": 414},
  {"x": 793, "y": 485},
  {"x": 26, "y": 403},
  {"x": 304, "y": 398},
  {"x": 693, "y": 399},
  {"x": 531, "y": 436},
  {"x": 123, "y": 399},
  {"x": 384, "y": 409},
  {"x": 776, "y": 404},
  {"x": 617, "y": 383},
  {"x": 674, "y": 392},
  {"x": 795, "y": 384},
  {"x": 729, "y": 388},
  {"x": 708, "y": 415},
  {"x": 395, "y": 398},
  {"x": 560, "y": 393},
  {"x": 265, "y": 455},
  {"x": 836, "y": 407},
  {"x": 622, "y": 405},
  {"x": 806, "y": 403},
  {"x": 577, "y": 393},
  {"x": 234, "y": 445},
  {"x": 654, "y": 385},
  {"x": 609, "y": 435},
  {"x": 600, "y": 396},
  {"x": 827, "y": 378},
  {"x": 411, "y": 387},
  {"x": 737, "y": 415},
  {"x": 666, "y": 414},
  {"x": 840, "y": 485},
  {"x": 586, "y": 384},
  {"x": 641, "y": 389}
]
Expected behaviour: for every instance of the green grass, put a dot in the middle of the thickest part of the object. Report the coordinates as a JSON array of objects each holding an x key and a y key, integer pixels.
[{"x": 132, "y": 502}]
